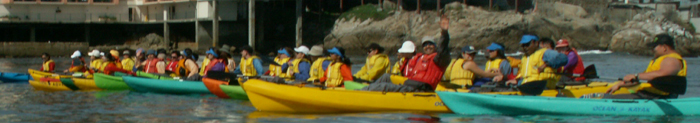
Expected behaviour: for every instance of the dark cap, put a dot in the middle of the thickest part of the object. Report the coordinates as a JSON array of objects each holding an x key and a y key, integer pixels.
[
  {"x": 468, "y": 49},
  {"x": 375, "y": 46},
  {"x": 664, "y": 39}
]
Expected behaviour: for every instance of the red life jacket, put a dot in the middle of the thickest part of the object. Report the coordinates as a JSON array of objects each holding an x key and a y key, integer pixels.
[
  {"x": 578, "y": 69},
  {"x": 172, "y": 66},
  {"x": 151, "y": 66},
  {"x": 422, "y": 68}
]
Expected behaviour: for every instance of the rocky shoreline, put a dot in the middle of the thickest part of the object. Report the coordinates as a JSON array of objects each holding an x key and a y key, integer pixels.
[{"x": 625, "y": 30}]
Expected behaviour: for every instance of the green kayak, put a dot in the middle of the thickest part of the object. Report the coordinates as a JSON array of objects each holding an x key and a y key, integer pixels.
[
  {"x": 349, "y": 85},
  {"x": 107, "y": 82},
  {"x": 153, "y": 76},
  {"x": 234, "y": 91},
  {"x": 141, "y": 84},
  {"x": 480, "y": 104}
]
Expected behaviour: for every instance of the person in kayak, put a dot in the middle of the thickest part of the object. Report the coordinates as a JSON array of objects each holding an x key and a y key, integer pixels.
[
  {"x": 497, "y": 62},
  {"x": 77, "y": 63},
  {"x": 47, "y": 65},
  {"x": 161, "y": 63},
  {"x": 463, "y": 71},
  {"x": 666, "y": 62},
  {"x": 574, "y": 68},
  {"x": 406, "y": 52},
  {"x": 95, "y": 61},
  {"x": 187, "y": 66},
  {"x": 250, "y": 65},
  {"x": 376, "y": 64},
  {"x": 174, "y": 60},
  {"x": 205, "y": 62},
  {"x": 297, "y": 69},
  {"x": 531, "y": 78},
  {"x": 319, "y": 65},
  {"x": 225, "y": 52},
  {"x": 127, "y": 61},
  {"x": 216, "y": 62},
  {"x": 110, "y": 66},
  {"x": 138, "y": 59},
  {"x": 548, "y": 44},
  {"x": 115, "y": 55},
  {"x": 283, "y": 56},
  {"x": 150, "y": 65},
  {"x": 424, "y": 70},
  {"x": 338, "y": 71}
]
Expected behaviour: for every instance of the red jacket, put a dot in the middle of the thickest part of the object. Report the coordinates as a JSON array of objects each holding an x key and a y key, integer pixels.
[
  {"x": 578, "y": 68},
  {"x": 151, "y": 66},
  {"x": 424, "y": 69},
  {"x": 111, "y": 68}
]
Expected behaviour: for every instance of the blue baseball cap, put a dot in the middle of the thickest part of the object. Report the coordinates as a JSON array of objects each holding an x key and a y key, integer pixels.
[
  {"x": 211, "y": 51},
  {"x": 495, "y": 46},
  {"x": 528, "y": 38},
  {"x": 335, "y": 51},
  {"x": 284, "y": 52}
]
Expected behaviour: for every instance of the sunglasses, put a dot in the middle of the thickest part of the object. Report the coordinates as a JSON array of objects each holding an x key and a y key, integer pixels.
[{"x": 525, "y": 45}]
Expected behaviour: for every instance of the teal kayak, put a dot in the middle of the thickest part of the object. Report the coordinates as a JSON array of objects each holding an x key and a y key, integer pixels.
[
  {"x": 480, "y": 104},
  {"x": 166, "y": 86},
  {"x": 153, "y": 76}
]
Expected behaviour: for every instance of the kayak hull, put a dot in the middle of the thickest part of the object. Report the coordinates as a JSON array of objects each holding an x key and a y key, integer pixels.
[
  {"x": 36, "y": 74},
  {"x": 479, "y": 104},
  {"x": 153, "y": 76},
  {"x": 166, "y": 86},
  {"x": 68, "y": 82},
  {"x": 14, "y": 77},
  {"x": 86, "y": 84},
  {"x": 107, "y": 82},
  {"x": 213, "y": 86},
  {"x": 234, "y": 92},
  {"x": 271, "y": 97},
  {"x": 48, "y": 85}
]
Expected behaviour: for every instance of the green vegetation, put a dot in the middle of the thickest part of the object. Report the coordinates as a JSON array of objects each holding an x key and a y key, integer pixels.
[{"x": 366, "y": 12}]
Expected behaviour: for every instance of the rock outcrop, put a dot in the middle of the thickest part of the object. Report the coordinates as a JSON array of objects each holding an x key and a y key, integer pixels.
[
  {"x": 475, "y": 26},
  {"x": 641, "y": 30}
]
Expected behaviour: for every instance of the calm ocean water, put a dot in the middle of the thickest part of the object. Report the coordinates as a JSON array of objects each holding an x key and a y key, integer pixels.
[{"x": 20, "y": 103}]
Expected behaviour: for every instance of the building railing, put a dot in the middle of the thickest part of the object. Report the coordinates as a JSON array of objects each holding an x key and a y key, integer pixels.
[
  {"x": 93, "y": 17},
  {"x": 101, "y": 2}
]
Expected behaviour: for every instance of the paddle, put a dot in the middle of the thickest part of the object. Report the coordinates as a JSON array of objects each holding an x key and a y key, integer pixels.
[{"x": 223, "y": 76}]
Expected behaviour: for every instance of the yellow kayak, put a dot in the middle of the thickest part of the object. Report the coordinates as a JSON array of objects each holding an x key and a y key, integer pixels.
[
  {"x": 37, "y": 74},
  {"x": 86, "y": 84},
  {"x": 48, "y": 85},
  {"x": 271, "y": 97}
]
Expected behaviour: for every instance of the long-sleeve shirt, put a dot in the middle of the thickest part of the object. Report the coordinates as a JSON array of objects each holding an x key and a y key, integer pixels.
[
  {"x": 505, "y": 67},
  {"x": 304, "y": 68},
  {"x": 572, "y": 61},
  {"x": 344, "y": 71},
  {"x": 257, "y": 64},
  {"x": 112, "y": 67},
  {"x": 443, "y": 58}
]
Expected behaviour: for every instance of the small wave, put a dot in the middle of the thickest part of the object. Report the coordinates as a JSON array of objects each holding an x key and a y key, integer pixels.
[{"x": 594, "y": 52}]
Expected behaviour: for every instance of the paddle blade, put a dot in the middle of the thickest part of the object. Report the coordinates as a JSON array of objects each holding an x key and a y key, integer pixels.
[
  {"x": 590, "y": 72},
  {"x": 671, "y": 84}
]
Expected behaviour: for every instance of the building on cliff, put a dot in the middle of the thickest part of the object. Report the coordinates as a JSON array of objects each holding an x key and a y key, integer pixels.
[{"x": 202, "y": 23}]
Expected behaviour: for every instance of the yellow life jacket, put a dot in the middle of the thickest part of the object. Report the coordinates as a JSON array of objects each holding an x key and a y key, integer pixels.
[
  {"x": 494, "y": 64},
  {"x": 247, "y": 67},
  {"x": 277, "y": 70},
  {"x": 458, "y": 75},
  {"x": 103, "y": 66},
  {"x": 204, "y": 65},
  {"x": 334, "y": 78},
  {"x": 396, "y": 69},
  {"x": 371, "y": 65},
  {"x": 293, "y": 68},
  {"x": 655, "y": 65},
  {"x": 97, "y": 64},
  {"x": 47, "y": 65},
  {"x": 514, "y": 63},
  {"x": 529, "y": 69},
  {"x": 127, "y": 64},
  {"x": 316, "y": 71}
]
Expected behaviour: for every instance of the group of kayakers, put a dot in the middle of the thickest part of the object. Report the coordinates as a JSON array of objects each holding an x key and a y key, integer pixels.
[{"x": 544, "y": 64}]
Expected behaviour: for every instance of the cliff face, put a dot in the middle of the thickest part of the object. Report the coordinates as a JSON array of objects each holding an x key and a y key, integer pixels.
[{"x": 603, "y": 30}]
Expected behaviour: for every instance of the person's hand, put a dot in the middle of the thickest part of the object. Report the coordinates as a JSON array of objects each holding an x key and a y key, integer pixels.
[
  {"x": 498, "y": 78},
  {"x": 65, "y": 71},
  {"x": 613, "y": 88},
  {"x": 444, "y": 22},
  {"x": 512, "y": 82},
  {"x": 629, "y": 78}
]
